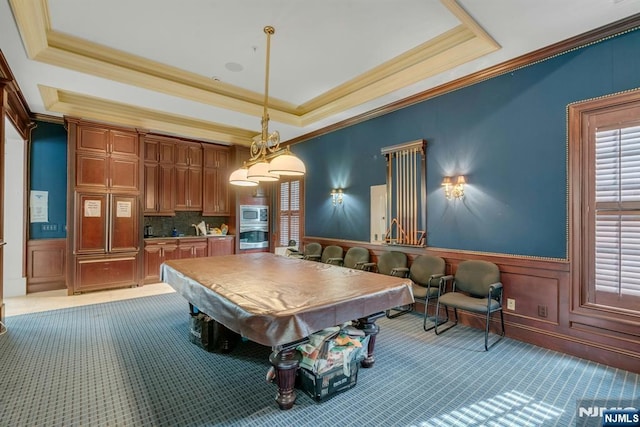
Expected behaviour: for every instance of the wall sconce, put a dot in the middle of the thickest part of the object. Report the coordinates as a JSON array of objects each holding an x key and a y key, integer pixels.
[
  {"x": 336, "y": 196},
  {"x": 454, "y": 187}
]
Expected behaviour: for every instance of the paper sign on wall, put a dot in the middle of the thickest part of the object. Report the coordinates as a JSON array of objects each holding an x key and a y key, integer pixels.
[
  {"x": 39, "y": 206},
  {"x": 123, "y": 209},
  {"x": 92, "y": 208}
]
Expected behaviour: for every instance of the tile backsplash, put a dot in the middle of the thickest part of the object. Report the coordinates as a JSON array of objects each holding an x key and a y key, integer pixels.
[{"x": 163, "y": 225}]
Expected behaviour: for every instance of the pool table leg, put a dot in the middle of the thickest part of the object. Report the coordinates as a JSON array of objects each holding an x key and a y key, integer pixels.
[
  {"x": 368, "y": 325},
  {"x": 285, "y": 363}
]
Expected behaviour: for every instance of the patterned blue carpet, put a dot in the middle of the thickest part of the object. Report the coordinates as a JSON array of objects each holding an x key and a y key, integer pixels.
[{"x": 130, "y": 363}]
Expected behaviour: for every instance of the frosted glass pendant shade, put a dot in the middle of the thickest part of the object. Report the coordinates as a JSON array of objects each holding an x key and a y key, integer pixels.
[
  {"x": 260, "y": 172},
  {"x": 239, "y": 177},
  {"x": 287, "y": 164}
]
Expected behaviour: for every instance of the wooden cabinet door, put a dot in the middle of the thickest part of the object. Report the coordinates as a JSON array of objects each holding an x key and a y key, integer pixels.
[
  {"x": 91, "y": 138},
  {"x": 124, "y": 236},
  {"x": 123, "y": 173},
  {"x": 215, "y": 193},
  {"x": 215, "y": 181},
  {"x": 222, "y": 192},
  {"x": 215, "y": 156},
  {"x": 151, "y": 150},
  {"x": 221, "y": 246},
  {"x": 123, "y": 143},
  {"x": 188, "y": 173},
  {"x": 151, "y": 188},
  {"x": 106, "y": 272},
  {"x": 193, "y": 248},
  {"x": 200, "y": 248},
  {"x": 181, "y": 154},
  {"x": 209, "y": 179},
  {"x": 188, "y": 189},
  {"x": 166, "y": 150},
  {"x": 195, "y": 155},
  {"x": 166, "y": 189},
  {"x": 170, "y": 251},
  {"x": 152, "y": 260},
  {"x": 92, "y": 170},
  {"x": 159, "y": 182},
  {"x": 185, "y": 249},
  {"x": 182, "y": 196},
  {"x": 188, "y": 154},
  {"x": 195, "y": 188},
  {"x": 91, "y": 220}
]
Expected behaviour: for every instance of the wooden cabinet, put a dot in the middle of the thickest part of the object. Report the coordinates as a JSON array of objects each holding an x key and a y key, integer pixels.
[
  {"x": 46, "y": 265},
  {"x": 106, "y": 223},
  {"x": 215, "y": 181},
  {"x": 193, "y": 248},
  {"x": 155, "y": 253},
  {"x": 224, "y": 245},
  {"x": 159, "y": 176},
  {"x": 106, "y": 159},
  {"x": 188, "y": 173},
  {"x": 108, "y": 271},
  {"x": 103, "y": 243}
]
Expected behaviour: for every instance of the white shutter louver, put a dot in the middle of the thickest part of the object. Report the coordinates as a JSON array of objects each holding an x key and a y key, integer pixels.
[
  {"x": 290, "y": 211},
  {"x": 617, "y": 211}
]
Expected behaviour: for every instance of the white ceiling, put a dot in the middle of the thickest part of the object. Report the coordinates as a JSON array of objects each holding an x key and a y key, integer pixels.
[{"x": 321, "y": 53}]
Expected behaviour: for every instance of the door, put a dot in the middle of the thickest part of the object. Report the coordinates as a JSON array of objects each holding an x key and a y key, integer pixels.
[
  {"x": 378, "y": 213},
  {"x": 14, "y": 233},
  {"x": 91, "y": 214},
  {"x": 12, "y": 226},
  {"x": 124, "y": 235}
]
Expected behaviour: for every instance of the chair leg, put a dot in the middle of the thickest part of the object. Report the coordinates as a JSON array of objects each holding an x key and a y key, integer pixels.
[
  {"x": 455, "y": 313},
  {"x": 400, "y": 311},
  {"x": 437, "y": 320},
  {"x": 486, "y": 332}
]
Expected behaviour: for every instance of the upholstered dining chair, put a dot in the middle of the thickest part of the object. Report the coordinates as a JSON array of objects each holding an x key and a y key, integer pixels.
[
  {"x": 392, "y": 263},
  {"x": 331, "y": 253},
  {"x": 312, "y": 251},
  {"x": 425, "y": 274},
  {"x": 475, "y": 287},
  {"x": 356, "y": 257}
]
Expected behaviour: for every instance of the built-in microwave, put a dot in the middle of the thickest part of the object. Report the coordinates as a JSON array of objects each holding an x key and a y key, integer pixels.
[
  {"x": 254, "y": 215},
  {"x": 254, "y": 226}
]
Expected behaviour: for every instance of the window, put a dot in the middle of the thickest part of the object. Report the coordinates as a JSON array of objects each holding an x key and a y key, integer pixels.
[
  {"x": 604, "y": 155},
  {"x": 290, "y": 211},
  {"x": 617, "y": 215}
]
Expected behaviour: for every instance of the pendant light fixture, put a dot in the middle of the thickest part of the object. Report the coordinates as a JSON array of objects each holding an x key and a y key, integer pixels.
[{"x": 267, "y": 161}]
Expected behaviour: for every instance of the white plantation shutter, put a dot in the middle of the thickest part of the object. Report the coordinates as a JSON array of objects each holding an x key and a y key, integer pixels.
[
  {"x": 617, "y": 211},
  {"x": 290, "y": 211}
]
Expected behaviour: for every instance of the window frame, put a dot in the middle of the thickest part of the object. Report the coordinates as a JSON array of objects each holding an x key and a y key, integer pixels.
[
  {"x": 583, "y": 117},
  {"x": 279, "y": 211}
]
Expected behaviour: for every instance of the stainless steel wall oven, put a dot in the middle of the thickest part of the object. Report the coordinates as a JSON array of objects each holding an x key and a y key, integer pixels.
[{"x": 254, "y": 226}]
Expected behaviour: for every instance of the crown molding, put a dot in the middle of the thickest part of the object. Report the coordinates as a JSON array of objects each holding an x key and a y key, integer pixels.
[
  {"x": 87, "y": 107},
  {"x": 459, "y": 45},
  {"x": 622, "y": 26},
  {"x": 13, "y": 104}
]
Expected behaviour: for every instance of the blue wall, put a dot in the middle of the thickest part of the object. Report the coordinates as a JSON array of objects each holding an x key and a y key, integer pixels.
[
  {"x": 48, "y": 162},
  {"x": 507, "y": 135}
]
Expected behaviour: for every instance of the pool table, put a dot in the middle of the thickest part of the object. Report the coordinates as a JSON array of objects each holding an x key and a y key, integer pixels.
[{"x": 279, "y": 301}]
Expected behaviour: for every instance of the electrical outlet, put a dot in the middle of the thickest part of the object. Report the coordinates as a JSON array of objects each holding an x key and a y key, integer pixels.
[
  {"x": 511, "y": 304},
  {"x": 542, "y": 311}
]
